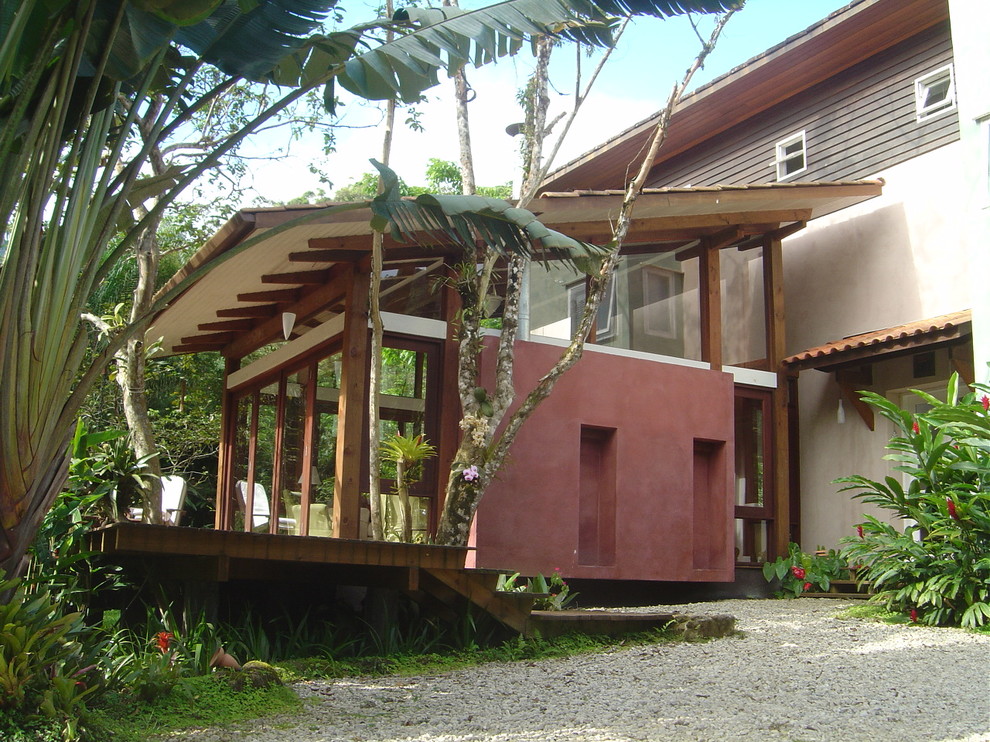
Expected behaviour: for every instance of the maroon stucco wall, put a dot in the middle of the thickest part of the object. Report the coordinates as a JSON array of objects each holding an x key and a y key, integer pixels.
[{"x": 657, "y": 440}]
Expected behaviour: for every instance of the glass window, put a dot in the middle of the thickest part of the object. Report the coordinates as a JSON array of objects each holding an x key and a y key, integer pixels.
[
  {"x": 791, "y": 156},
  {"x": 604, "y": 320},
  {"x": 935, "y": 93}
]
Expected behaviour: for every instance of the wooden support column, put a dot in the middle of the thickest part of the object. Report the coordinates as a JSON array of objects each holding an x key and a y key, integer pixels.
[
  {"x": 225, "y": 456},
  {"x": 353, "y": 404},
  {"x": 450, "y": 401},
  {"x": 773, "y": 287},
  {"x": 710, "y": 279}
]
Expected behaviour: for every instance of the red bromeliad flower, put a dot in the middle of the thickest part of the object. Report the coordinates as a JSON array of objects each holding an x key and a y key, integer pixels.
[
  {"x": 952, "y": 508},
  {"x": 914, "y": 615},
  {"x": 807, "y": 586},
  {"x": 797, "y": 572},
  {"x": 859, "y": 530},
  {"x": 915, "y": 428},
  {"x": 164, "y": 640},
  {"x": 985, "y": 401}
]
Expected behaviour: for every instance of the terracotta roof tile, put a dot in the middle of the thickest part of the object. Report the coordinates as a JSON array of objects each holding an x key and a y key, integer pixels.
[{"x": 913, "y": 334}]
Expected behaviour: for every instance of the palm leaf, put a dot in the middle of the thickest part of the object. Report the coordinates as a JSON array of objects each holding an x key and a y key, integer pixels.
[{"x": 450, "y": 39}]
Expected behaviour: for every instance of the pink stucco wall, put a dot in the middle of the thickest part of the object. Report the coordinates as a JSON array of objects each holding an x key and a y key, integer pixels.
[{"x": 662, "y": 474}]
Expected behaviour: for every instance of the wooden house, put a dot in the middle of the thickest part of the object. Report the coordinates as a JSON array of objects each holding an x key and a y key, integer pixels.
[{"x": 785, "y": 209}]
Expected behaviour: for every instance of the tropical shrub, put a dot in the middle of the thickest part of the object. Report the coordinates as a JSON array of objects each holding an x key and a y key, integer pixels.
[
  {"x": 799, "y": 572},
  {"x": 45, "y": 674},
  {"x": 554, "y": 593},
  {"x": 937, "y": 567}
]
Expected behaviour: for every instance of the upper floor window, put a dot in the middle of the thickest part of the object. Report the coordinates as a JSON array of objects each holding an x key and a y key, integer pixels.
[
  {"x": 791, "y": 156},
  {"x": 935, "y": 93},
  {"x": 604, "y": 320}
]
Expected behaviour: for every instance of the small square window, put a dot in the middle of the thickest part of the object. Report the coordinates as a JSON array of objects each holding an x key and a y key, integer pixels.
[
  {"x": 661, "y": 288},
  {"x": 935, "y": 93},
  {"x": 791, "y": 156},
  {"x": 604, "y": 320}
]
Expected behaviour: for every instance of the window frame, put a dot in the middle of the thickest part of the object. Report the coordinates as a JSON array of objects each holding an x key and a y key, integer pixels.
[
  {"x": 670, "y": 311},
  {"x": 608, "y": 306},
  {"x": 781, "y": 157},
  {"x": 924, "y": 83}
]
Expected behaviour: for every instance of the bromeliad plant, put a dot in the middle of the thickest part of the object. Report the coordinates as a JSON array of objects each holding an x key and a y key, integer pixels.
[
  {"x": 555, "y": 594},
  {"x": 937, "y": 568},
  {"x": 799, "y": 572}
]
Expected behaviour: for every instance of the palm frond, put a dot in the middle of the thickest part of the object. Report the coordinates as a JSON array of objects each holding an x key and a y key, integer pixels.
[
  {"x": 465, "y": 220},
  {"x": 451, "y": 38}
]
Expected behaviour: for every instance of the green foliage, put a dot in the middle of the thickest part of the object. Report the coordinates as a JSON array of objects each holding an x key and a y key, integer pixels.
[
  {"x": 799, "y": 572},
  {"x": 937, "y": 569},
  {"x": 193, "y": 702},
  {"x": 44, "y": 672},
  {"x": 554, "y": 594}
]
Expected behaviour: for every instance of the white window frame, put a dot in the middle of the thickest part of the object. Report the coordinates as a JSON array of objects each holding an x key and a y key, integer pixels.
[
  {"x": 577, "y": 294},
  {"x": 925, "y": 83},
  {"x": 669, "y": 309},
  {"x": 782, "y": 157}
]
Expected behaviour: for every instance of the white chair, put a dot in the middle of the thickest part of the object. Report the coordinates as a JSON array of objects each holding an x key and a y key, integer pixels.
[
  {"x": 261, "y": 509},
  {"x": 173, "y": 500}
]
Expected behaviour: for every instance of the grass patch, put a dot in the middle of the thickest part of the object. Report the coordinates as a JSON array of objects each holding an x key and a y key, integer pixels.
[
  {"x": 872, "y": 612},
  {"x": 208, "y": 700}
]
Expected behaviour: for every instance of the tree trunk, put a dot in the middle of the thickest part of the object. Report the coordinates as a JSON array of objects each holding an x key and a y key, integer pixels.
[
  {"x": 377, "y": 338},
  {"x": 488, "y": 454},
  {"x": 44, "y": 488}
]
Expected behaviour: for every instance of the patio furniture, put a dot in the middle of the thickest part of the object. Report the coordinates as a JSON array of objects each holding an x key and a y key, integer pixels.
[
  {"x": 261, "y": 509},
  {"x": 173, "y": 500}
]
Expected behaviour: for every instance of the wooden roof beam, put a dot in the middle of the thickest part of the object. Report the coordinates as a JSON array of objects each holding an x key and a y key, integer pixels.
[
  {"x": 196, "y": 348},
  {"x": 716, "y": 241},
  {"x": 281, "y": 296},
  {"x": 318, "y": 299},
  {"x": 232, "y": 325},
  {"x": 304, "y": 278},
  {"x": 260, "y": 311},
  {"x": 214, "y": 338}
]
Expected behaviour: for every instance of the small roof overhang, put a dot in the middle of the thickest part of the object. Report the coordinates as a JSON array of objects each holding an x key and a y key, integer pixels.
[
  {"x": 879, "y": 345},
  {"x": 284, "y": 272}
]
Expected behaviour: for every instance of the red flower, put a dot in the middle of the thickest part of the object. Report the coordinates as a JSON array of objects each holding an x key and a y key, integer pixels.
[
  {"x": 164, "y": 640},
  {"x": 952, "y": 508},
  {"x": 914, "y": 615},
  {"x": 797, "y": 572},
  {"x": 807, "y": 586},
  {"x": 915, "y": 427},
  {"x": 859, "y": 530},
  {"x": 985, "y": 401}
]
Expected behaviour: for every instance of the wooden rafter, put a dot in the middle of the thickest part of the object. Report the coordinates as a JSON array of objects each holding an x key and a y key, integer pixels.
[
  {"x": 305, "y": 278},
  {"x": 276, "y": 295},
  {"x": 261, "y": 311}
]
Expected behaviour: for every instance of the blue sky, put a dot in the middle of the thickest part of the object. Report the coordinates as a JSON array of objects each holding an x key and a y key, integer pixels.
[{"x": 649, "y": 59}]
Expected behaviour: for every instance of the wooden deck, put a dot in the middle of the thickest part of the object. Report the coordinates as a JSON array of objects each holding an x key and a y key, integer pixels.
[{"x": 429, "y": 574}]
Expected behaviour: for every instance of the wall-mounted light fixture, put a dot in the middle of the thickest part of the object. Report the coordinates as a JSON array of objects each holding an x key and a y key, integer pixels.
[{"x": 288, "y": 322}]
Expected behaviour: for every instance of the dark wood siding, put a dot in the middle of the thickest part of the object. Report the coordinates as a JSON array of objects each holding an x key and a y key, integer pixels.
[{"x": 856, "y": 124}]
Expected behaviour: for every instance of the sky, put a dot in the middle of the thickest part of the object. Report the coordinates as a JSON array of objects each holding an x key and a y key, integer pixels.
[{"x": 649, "y": 59}]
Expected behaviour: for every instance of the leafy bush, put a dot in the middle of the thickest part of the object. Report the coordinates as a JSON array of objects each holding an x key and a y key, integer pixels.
[
  {"x": 799, "y": 572},
  {"x": 554, "y": 593},
  {"x": 937, "y": 570},
  {"x": 45, "y": 676}
]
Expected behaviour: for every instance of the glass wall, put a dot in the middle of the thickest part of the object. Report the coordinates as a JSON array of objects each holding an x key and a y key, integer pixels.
[
  {"x": 743, "y": 317},
  {"x": 285, "y": 443},
  {"x": 652, "y": 305}
]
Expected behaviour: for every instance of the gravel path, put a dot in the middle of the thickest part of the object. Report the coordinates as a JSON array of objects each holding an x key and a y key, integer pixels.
[{"x": 796, "y": 673}]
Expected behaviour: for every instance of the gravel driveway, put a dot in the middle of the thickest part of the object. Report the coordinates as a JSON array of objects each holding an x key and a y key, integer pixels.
[{"x": 796, "y": 673}]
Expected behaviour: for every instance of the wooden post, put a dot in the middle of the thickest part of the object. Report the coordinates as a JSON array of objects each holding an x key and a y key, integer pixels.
[
  {"x": 228, "y": 445},
  {"x": 710, "y": 278},
  {"x": 773, "y": 287},
  {"x": 353, "y": 404},
  {"x": 449, "y": 400}
]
